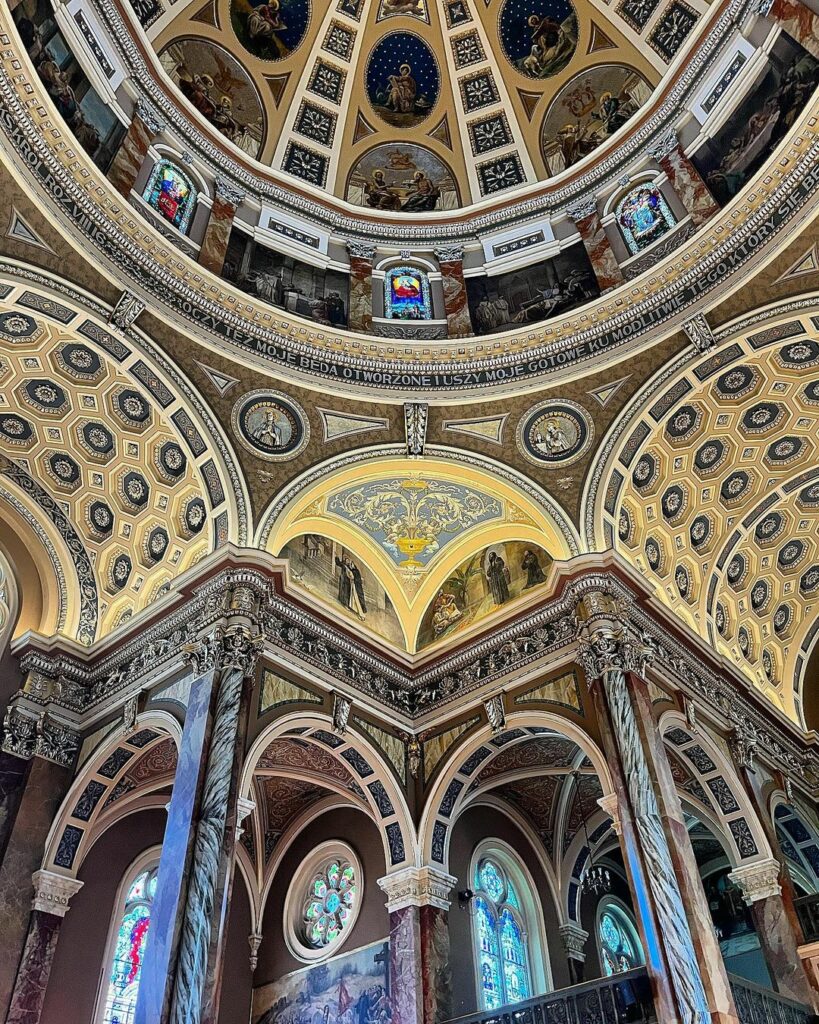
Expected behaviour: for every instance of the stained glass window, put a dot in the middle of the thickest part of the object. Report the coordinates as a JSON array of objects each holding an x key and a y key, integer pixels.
[
  {"x": 129, "y": 950},
  {"x": 643, "y": 216},
  {"x": 620, "y": 948},
  {"x": 500, "y": 938},
  {"x": 171, "y": 193},
  {"x": 406, "y": 294},
  {"x": 329, "y": 903}
]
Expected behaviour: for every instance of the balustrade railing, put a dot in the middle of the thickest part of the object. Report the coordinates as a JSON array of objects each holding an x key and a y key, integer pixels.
[
  {"x": 758, "y": 1005},
  {"x": 623, "y": 999},
  {"x": 807, "y": 910}
]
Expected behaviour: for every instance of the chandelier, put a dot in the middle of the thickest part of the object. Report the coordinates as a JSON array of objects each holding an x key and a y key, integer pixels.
[{"x": 595, "y": 878}]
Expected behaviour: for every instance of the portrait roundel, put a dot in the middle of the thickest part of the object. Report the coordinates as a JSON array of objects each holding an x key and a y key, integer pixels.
[
  {"x": 588, "y": 110},
  {"x": 219, "y": 88},
  {"x": 555, "y": 433},
  {"x": 539, "y": 37},
  {"x": 406, "y": 179},
  {"x": 402, "y": 79},
  {"x": 270, "y": 424},
  {"x": 270, "y": 29}
]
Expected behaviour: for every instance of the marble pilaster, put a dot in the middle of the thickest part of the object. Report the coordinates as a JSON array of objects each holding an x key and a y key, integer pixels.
[
  {"x": 800, "y": 22},
  {"x": 601, "y": 255},
  {"x": 13, "y": 775},
  {"x": 420, "y": 978},
  {"x": 144, "y": 127},
  {"x": 45, "y": 788},
  {"x": 52, "y": 893},
  {"x": 451, "y": 261},
  {"x": 361, "y": 286},
  {"x": 226, "y": 201},
  {"x": 688, "y": 184}
]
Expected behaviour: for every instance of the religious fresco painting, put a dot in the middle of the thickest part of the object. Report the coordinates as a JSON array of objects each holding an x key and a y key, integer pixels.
[
  {"x": 348, "y": 989},
  {"x": 218, "y": 87},
  {"x": 731, "y": 158},
  {"x": 95, "y": 126},
  {"x": 405, "y": 178},
  {"x": 340, "y": 579},
  {"x": 289, "y": 284},
  {"x": 588, "y": 110},
  {"x": 404, "y": 8},
  {"x": 270, "y": 30},
  {"x": 532, "y": 293},
  {"x": 483, "y": 584},
  {"x": 170, "y": 192},
  {"x": 539, "y": 37},
  {"x": 402, "y": 79}
]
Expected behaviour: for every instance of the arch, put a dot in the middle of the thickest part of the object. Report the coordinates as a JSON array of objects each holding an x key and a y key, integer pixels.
[
  {"x": 148, "y": 860},
  {"x": 86, "y": 814},
  {"x": 383, "y": 798},
  {"x": 449, "y": 793},
  {"x": 35, "y": 570},
  {"x": 798, "y": 839},
  {"x": 9, "y": 602},
  {"x": 627, "y": 943},
  {"x": 167, "y": 152},
  {"x": 519, "y": 906},
  {"x": 731, "y": 810}
]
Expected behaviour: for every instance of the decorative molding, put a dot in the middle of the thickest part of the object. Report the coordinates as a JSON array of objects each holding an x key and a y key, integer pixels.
[
  {"x": 495, "y": 713},
  {"x": 574, "y": 940},
  {"x": 743, "y": 744},
  {"x": 342, "y": 706},
  {"x": 758, "y": 880},
  {"x": 610, "y": 805},
  {"x": 150, "y": 116},
  {"x": 449, "y": 253},
  {"x": 417, "y": 887},
  {"x": 664, "y": 145},
  {"x": 416, "y": 416},
  {"x": 126, "y": 311},
  {"x": 53, "y": 892},
  {"x": 254, "y": 941},
  {"x": 583, "y": 210},
  {"x": 361, "y": 250},
  {"x": 226, "y": 190},
  {"x": 699, "y": 333}
]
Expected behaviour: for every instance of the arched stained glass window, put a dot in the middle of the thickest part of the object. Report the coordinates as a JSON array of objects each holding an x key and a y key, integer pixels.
[
  {"x": 172, "y": 194},
  {"x": 129, "y": 949},
  {"x": 644, "y": 215},
  {"x": 620, "y": 948},
  {"x": 500, "y": 938}
]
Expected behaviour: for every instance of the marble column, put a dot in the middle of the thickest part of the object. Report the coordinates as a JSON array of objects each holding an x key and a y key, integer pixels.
[
  {"x": 145, "y": 125},
  {"x": 601, "y": 255},
  {"x": 759, "y": 882},
  {"x": 419, "y": 972},
  {"x": 13, "y": 776},
  {"x": 613, "y": 653},
  {"x": 451, "y": 261},
  {"x": 361, "y": 286},
  {"x": 798, "y": 20},
  {"x": 52, "y": 893},
  {"x": 49, "y": 751},
  {"x": 226, "y": 200},
  {"x": 685, "y": 179},
  {"x": 574, "y": 945}
]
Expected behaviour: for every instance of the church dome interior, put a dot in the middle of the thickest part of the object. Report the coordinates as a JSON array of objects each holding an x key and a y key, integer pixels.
[{"x": 409, "y": 511}]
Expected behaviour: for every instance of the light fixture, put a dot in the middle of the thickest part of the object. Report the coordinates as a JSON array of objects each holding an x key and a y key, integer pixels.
[{"x": 595, "y": 878}]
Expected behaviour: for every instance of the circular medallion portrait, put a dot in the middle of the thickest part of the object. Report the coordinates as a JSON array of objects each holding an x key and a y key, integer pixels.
[
  {"x": 555, "y": 433},
  {"x": 539, "y": 37},
  {"x": 270, "y": 29},
  {"x": 402, "y": 79},
  {"x": 270, "y": 424}
]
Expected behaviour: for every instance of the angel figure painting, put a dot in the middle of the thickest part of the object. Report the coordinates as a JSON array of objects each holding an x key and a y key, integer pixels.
[
  {"x": 539, "y": 37},
  {"x": 270, "y": 29},
  {"x": 482, "y": 585},
  {"x": 218, "y": 87}
]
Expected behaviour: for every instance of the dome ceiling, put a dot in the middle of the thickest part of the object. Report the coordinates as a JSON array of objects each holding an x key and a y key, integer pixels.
[{"x": 409, "y": 106}]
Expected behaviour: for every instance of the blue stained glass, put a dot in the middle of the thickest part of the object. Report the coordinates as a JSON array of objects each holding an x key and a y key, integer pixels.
[
  {"x": 644, "y": 216},
  {"x": 619, "y": 950},
  {"x": 491, "y": 881},
  {"x": 129, "y": 951},
  {"x": 502, "y": 956},
  {"x": 512, "y": 896}
]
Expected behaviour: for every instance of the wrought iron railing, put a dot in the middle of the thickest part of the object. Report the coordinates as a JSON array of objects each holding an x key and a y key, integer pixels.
[
  {"x": 758, "y": 1005},
  {"x": 807, "y": 910},
  {"x": 623, "y": 999}
]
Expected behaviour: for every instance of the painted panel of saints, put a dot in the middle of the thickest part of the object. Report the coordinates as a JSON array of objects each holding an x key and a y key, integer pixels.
[
  {"x": 402, "y": 79},
  {"x": 539, "y": 37},
  {"x": 408, "y": 179},
  {"x": 270, "y": 29}
]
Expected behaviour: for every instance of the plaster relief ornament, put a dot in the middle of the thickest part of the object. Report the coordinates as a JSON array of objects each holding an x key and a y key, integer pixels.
[
  {"x": 555, "y": 432},
  {"x": 270, "y": 30},
  {"x": 402, "y": 79},
  {"x": 270, "y": 424},
  {"x": 539, "y": 37}
]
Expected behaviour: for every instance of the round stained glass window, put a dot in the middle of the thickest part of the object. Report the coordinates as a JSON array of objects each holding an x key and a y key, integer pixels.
[{"x": 323, "y": 901}]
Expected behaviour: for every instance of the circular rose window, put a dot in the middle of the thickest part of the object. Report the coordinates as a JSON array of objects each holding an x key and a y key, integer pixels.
[{"x": 323, "y": 901}]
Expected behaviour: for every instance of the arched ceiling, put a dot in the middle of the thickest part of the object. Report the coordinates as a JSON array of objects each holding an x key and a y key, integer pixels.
[
  {"x": 718, "y": 501},
  {"x": 481, "y": 106}
]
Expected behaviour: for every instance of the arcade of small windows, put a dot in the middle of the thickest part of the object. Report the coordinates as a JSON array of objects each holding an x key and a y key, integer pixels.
[
  {"x": 500, "y": 937},
  {"x": 129, "y": 950},
  {"x": 620, "y": 948}
]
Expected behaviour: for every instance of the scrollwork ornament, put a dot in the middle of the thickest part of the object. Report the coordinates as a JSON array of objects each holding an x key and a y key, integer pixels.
[
  {"x": 495, "y": 712},
  {"x": 228, "y": 192},
  {"x": 743, "y": 743},
  {"x": 583, "y": 210},
  {"x": 664, "y": 146},
  {"x": 56, "y": 742},
  {"x": 19, "y": 733},
  {"x": 150, "y": 117},
  {"x": 240, "y": 650},
  {"x": 361, "y": 250},
  {"x": 341, "y": 713},
  {"x": 449, "y": 253}
]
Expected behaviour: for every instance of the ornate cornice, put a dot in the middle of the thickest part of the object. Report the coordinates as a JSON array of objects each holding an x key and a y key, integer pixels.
[
  {"x": 607, "y": 640},
  {"x": 417, "y": 887}
]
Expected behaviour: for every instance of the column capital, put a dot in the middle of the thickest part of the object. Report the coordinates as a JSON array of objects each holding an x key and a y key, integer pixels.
[
  {"x": 610, "y": 805},
  {"x": 607, "y": 640},
  {"x": 664, "y": 146},
  {"x": 574, "y": 940},
  {"x": 758, "y": 880},
  {"x": 417, "y": 887},
  {"x": 449, "y": 253},
  {"x": 235, "y": 648},
  {"x": 53, "y": 892},
  {"x": 583, "y": 210},
  {"x": 150, "y": 117},
  {"x": 228, "y": 191},
  {"x": 361, "y": 250}
]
